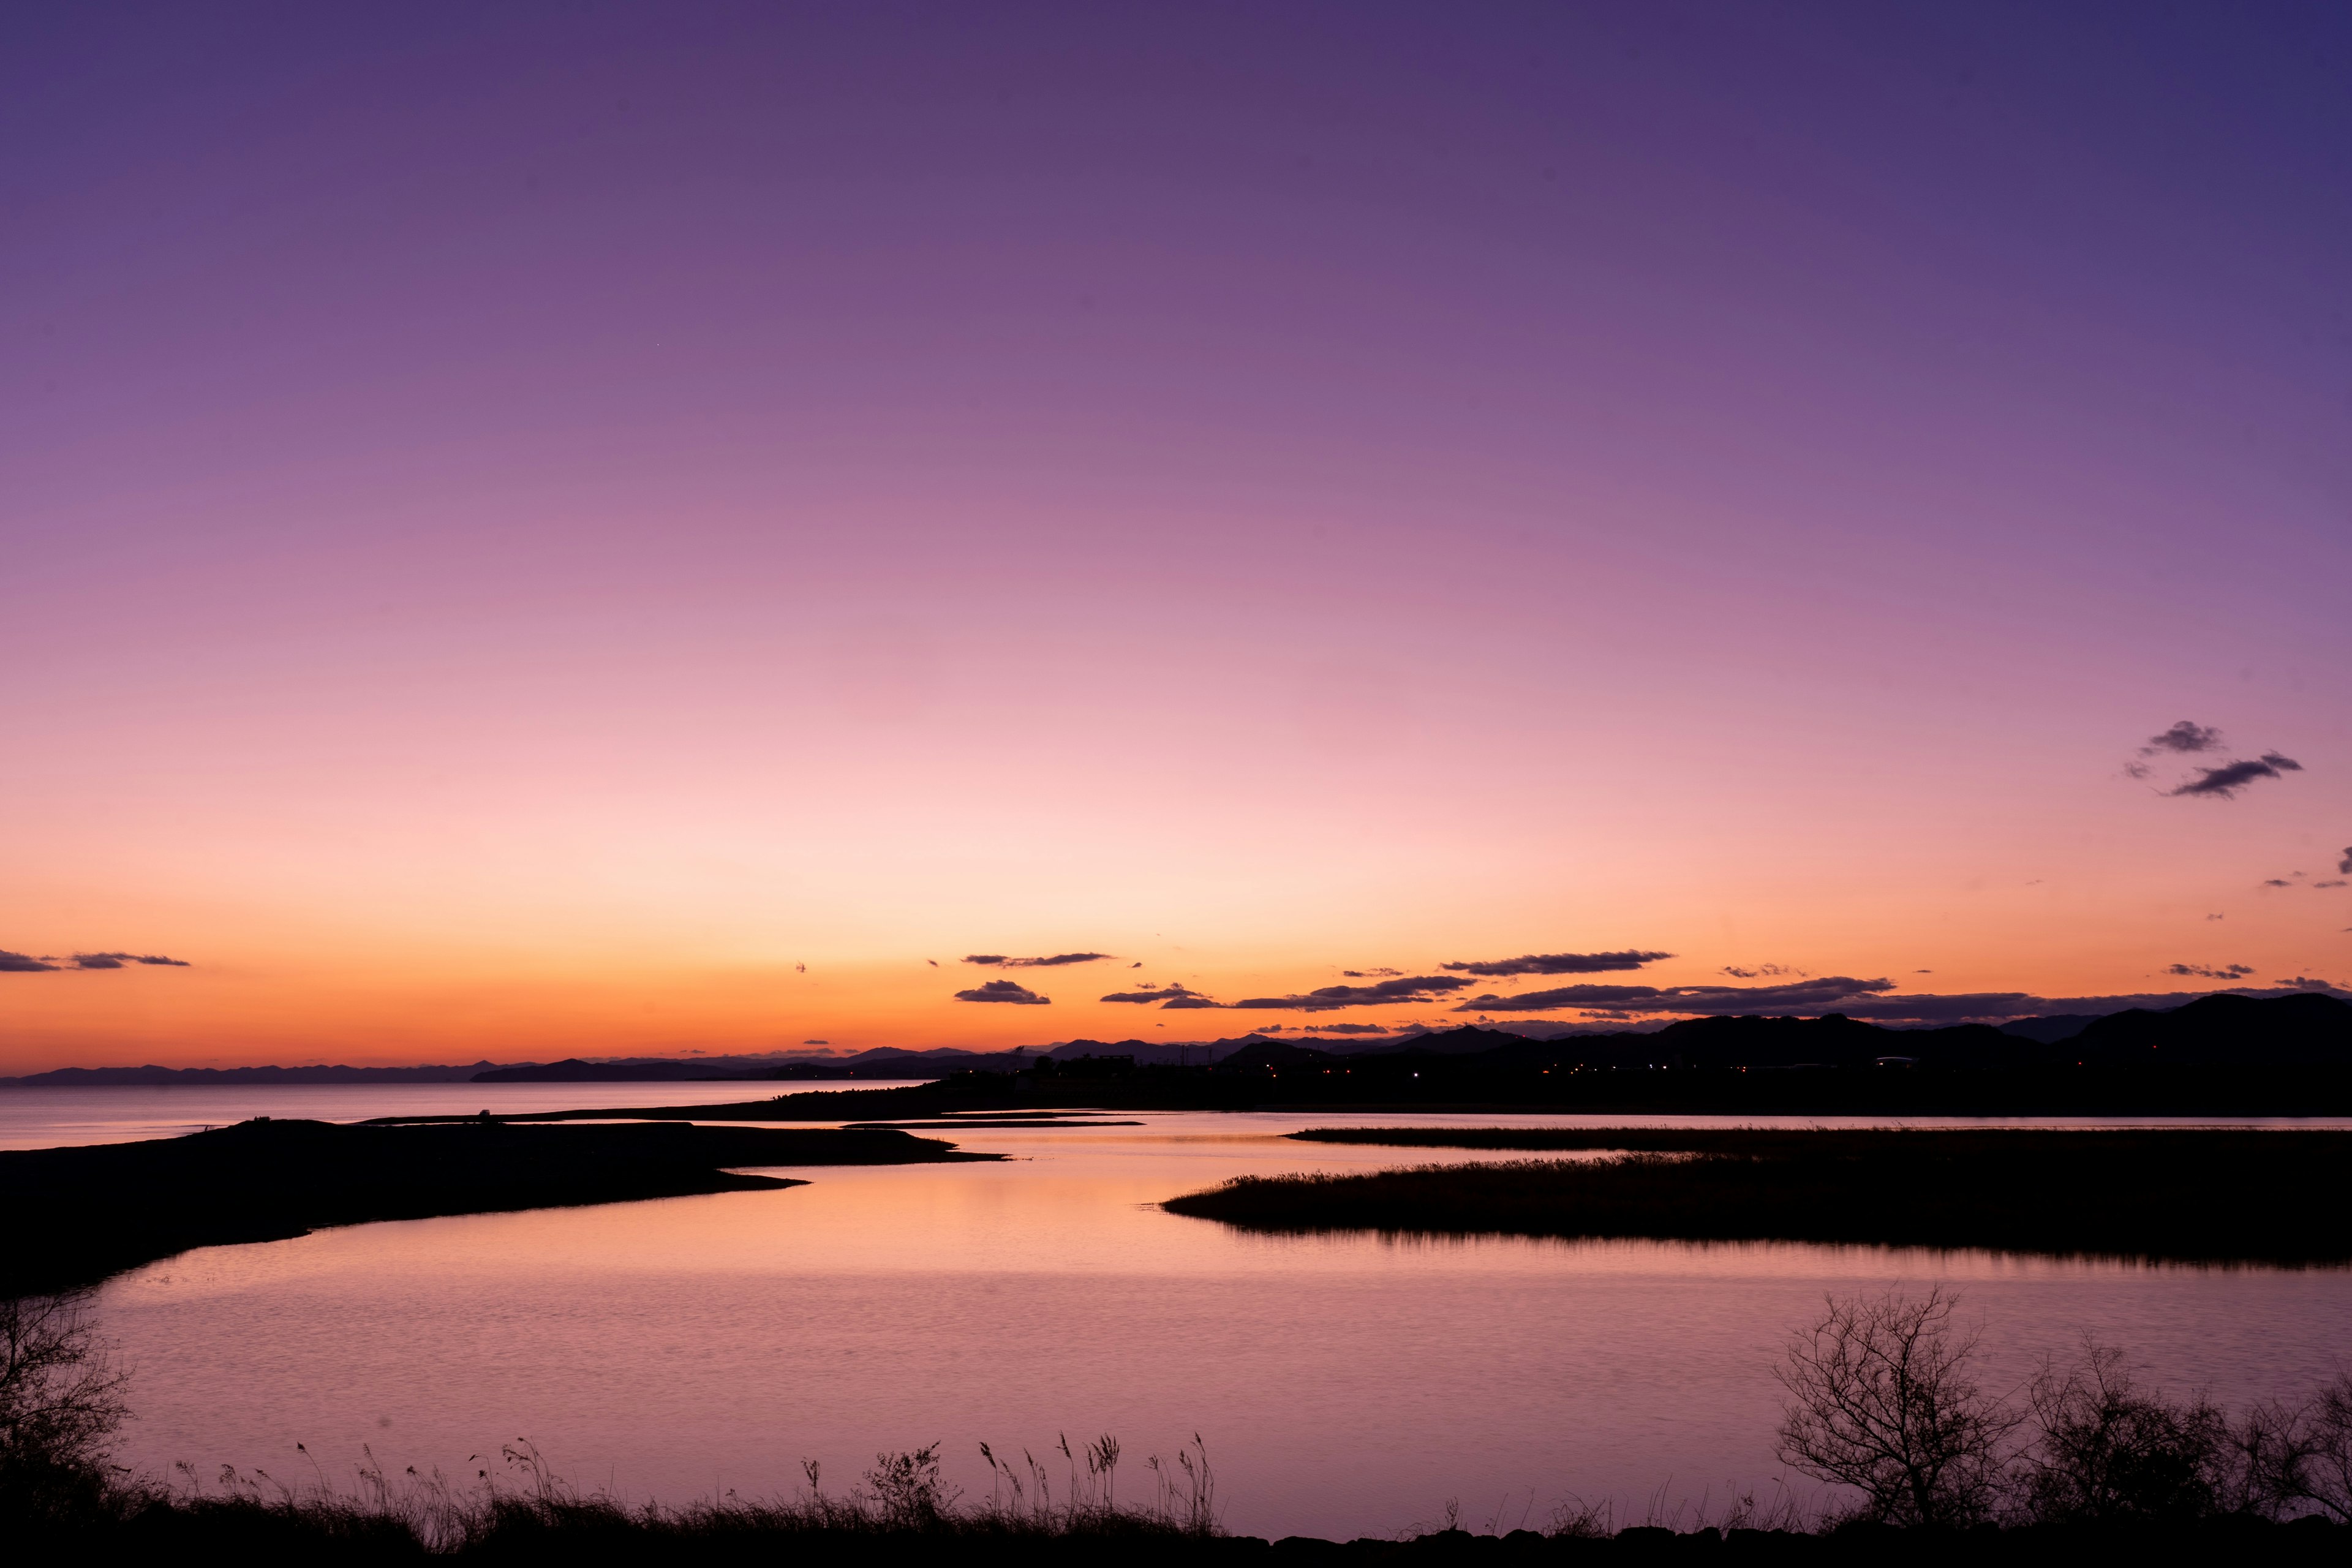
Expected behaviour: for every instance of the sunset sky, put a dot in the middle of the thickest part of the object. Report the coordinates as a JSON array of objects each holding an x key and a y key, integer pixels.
[{"x": 582, "y": 530}]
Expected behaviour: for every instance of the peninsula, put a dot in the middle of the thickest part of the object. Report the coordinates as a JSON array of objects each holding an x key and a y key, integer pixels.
[{"x": 78, "y": 1214}]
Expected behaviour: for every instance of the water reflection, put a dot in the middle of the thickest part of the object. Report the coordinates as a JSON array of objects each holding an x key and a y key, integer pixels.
[{"x": 1345, "y": 1384}]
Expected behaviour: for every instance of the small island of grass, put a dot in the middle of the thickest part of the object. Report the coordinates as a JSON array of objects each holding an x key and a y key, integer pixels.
[{"x": 2188, "y": 1195}]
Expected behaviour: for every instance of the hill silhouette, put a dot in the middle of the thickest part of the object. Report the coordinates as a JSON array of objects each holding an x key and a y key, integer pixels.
[{"x": 2224, "y": 1031}]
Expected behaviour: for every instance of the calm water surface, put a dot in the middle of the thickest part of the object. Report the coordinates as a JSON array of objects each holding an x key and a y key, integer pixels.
[{"x": 1345, "y": 1385}]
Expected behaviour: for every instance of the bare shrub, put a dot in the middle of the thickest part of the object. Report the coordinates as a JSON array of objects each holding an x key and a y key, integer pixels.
[
  {"x": 1881, "y": 1399},
  {"x": 2107, "y": 1451},
  {"x": 60, "y": 1403},
  {"x": 2325, "y": 1476},
  {"x": 2298, "y": 1458}
]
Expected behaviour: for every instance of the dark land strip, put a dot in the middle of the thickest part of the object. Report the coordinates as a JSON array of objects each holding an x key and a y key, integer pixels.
[
  {"x": 2222, "y": 1056},
  {"x": 78, "y": 1214},
  {"x": 2207, "y": 1195}
]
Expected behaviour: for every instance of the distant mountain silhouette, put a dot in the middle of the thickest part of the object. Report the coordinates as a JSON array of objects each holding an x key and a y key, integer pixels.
[
  {"x": 2228, "y": 1031},
  {"x": 152, "y": 1077},
  {"x": 2050, "y": 1028}
]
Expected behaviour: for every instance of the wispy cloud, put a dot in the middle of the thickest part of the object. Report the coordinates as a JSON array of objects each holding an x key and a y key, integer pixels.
[
  {"x": 2224, "y": 782},
  {"x": 1156, "y": 994},
  {"x": 2208, "y": 972},
  {"x": 1369, "y": 973},
  {"x": 26, "y": 963},
  {"x": 1329, "y": 998},
  {"x": 1558, "y": 964},
  {"x": 1004, "y": 991},
  {"x": 1762, "y": 971},
  {"x": 2183, "y": 736},
  {"x": 1053, "y": 962},
  {"x": 1799, "y": 996}
]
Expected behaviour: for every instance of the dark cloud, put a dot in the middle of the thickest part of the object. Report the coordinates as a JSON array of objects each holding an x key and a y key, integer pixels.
[
  {"x": 2305, "y": 982},
  {"x": 1371, "y": 973},
  {"x": 22, "y": 964},
  {"x": 1155, "y": 993},
  {"x": 1055, "y": 961},
  {"x": 1825, "y": 995},
  {"x": 2345, "y": 865},
  {"x": 117, "y": 960},
  {"x": 1004, "y": 991},
  {"x": 2207, "y": 972},
  {"x": 1190, "y": 1003},
  {"x": 1347, "y": 1028},
  {"x": 1558, "y": 964},
  {"x": 2224, "y": 782},
  {"x": 1762, "y": 971},
  {"x": 2337, "y": 882},
  {"x": 2278, "y": 882},
  {"x": 1326, "y": 998},
  {"x": 816, "y": 1041},
  {"x": 2183, "y": 737}
]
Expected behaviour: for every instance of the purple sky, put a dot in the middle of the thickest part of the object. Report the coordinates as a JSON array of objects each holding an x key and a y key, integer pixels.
[{"x": 528, "y": 523}]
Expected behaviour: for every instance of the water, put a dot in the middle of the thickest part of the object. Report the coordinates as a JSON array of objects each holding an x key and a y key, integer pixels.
[{"x": 1345, "y": 1385}]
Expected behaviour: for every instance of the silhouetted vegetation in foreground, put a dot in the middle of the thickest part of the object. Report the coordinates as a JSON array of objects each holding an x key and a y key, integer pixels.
[
  {"x": 2198, "y": 1194},
  {"x": 78, "y": 1214},
  {"x": 1882, "y": 1404}
]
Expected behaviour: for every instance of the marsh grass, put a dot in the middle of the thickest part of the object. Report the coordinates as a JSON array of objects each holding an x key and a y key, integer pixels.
[
  {"x": 519, "y": 1503},
  {"x": 2188, "y": 1195}
]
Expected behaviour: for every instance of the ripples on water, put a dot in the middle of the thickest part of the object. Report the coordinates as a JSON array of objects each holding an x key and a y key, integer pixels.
[{"x": 1344, "y": 1384}]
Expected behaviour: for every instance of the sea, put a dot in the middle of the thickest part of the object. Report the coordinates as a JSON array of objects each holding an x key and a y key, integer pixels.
[{"x": 1341, "y": 1385}]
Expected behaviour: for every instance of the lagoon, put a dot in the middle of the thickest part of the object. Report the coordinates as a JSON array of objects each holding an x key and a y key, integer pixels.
[{"x": 1344, "y": 1384}]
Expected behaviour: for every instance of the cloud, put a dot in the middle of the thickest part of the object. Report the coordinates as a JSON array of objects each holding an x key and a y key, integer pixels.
[
  {"x": 2207, "y": 972},
  {"x": 1559, "y": 963},
  {"x": 2337, "y": 882},
  {"x": 1825, "y": 994},
  {"x": 2345, "y": 865},
  {"x": 1055, "y": 961},
  {"x": 2278, "y": 882},
  {"x": 1372, "y": 974},
  {"x": 2224, "y": 782},
  {"x": 1004, "y": 991},
  {"x": 1325, "y": 998},
  {"x": 1155, "y": 993},
  {"x": 1761, "y": 971},
  {"x": 1345, "y": 1029},
  {"x": 25, "y": 964},
  {"x": 2305, "y": 982},
  {"x": 816, "y": 1041},
  {"x": 2183, "y": 737},
  {"x": 1188, "y": 1003}
]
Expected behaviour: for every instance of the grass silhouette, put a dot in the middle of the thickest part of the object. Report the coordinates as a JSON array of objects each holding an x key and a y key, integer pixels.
[{"x": 2206, "y": 1196}]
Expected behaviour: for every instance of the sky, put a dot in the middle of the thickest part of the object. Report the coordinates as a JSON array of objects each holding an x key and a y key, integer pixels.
[{"x": 534, "y": 530}]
